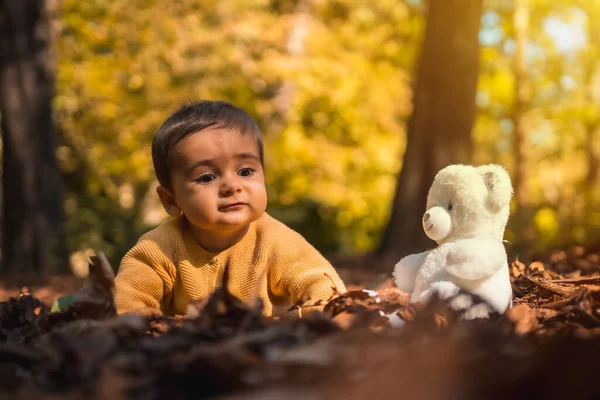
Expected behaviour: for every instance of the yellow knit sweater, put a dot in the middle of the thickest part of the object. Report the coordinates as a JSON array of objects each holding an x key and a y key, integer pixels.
[{"x": 167, "y": 269}]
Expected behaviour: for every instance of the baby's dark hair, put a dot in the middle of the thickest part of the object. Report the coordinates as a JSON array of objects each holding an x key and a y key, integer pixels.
[{"x": 192, "y": 118}]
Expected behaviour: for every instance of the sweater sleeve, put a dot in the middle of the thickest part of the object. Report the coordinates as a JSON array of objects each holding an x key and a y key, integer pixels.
[
  {"x": 143, "y": 278},
  {"x": 300, "y": 272}
]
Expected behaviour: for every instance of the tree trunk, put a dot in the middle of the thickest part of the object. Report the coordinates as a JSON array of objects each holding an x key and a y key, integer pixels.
[
  {"x": 525, "y": 211},
  {"x": 295, "y": 49},
  {"x": 32, "y": 203},
  {"x": 592, "y": 126},
  {"x": 439, "y": 129},
  {"x": 522, "y": 99}
]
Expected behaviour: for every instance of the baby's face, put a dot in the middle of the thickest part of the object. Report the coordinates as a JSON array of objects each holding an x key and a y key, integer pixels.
[{"x": 218, "y": 181}]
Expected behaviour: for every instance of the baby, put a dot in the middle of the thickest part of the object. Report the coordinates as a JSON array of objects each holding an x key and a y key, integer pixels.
[{"x": 208, "y": 159}]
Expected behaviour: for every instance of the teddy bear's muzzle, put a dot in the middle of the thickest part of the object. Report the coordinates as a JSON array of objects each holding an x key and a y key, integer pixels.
[{"x": 437, "y": 223}]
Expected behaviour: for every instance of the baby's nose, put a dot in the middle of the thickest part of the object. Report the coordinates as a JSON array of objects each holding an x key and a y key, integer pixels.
[
  {"x": 426, "y": 217},
  {"x": 230, "y": 187}
]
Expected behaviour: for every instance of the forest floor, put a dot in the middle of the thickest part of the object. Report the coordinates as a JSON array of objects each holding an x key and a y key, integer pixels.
[
  {"x": 46, "y": 289},
  {"x": 365, "y": 343},
  {"x": 49, "y": 288}
]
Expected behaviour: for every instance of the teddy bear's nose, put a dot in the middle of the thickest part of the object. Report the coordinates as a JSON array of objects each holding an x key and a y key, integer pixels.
[{"x": 426, "y": 217}]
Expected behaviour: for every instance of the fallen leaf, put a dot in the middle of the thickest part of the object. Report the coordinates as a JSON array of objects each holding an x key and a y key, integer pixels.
[{"x": 524, "y": 318}]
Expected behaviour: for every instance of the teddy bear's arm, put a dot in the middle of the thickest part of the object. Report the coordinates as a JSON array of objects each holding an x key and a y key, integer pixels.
[
  {"x": 405, "y": 271},
  {"x": 475, "y": 258}
]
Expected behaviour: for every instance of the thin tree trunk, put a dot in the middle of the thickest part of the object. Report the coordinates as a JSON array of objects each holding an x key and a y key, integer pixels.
[
  {"x": 295, "y": 47},
  {"x": 593, "y": 164},
  {"x": 525, "y": 211},
  {"x": 522, "y": 99},
  {"x": 439, "y": 129},
  {"x": 592, "y": 78},
  {"x": 591, "y": 137},
  {"x": 32, "y": 204}
]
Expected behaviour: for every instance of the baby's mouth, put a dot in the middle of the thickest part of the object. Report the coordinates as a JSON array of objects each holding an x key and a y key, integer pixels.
[{"x": 232, "y": 205}]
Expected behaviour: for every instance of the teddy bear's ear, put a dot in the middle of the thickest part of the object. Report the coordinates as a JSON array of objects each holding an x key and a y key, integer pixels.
[{"x": 498, "y": 184}]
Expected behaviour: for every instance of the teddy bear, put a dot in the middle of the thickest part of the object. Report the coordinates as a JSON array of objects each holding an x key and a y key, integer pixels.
[{"x": 466, "y": 214}]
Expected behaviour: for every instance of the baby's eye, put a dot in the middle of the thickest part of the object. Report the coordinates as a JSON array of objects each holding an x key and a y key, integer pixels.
[
  {"x": 206, "y": 178},
  {"x": 245, "y": 172},
  {"x": 449, "y": 206}
]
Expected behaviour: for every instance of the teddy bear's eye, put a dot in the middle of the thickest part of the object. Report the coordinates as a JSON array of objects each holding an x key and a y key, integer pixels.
[{"x": 449, "y": 206}]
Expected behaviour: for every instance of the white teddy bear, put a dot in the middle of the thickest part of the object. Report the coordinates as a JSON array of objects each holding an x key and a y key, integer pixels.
[{"x": 467, "y": 211}]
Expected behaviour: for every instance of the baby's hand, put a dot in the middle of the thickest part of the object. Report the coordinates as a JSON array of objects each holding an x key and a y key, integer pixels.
[{"x": 147, "y": 312}]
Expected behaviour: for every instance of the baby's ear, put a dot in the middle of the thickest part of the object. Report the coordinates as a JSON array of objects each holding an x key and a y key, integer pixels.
[
  {"x": 168, "y": 201},
  {"x": 498, "y": 184}
]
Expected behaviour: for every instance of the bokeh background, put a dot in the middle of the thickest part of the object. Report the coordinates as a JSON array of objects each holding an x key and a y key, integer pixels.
[{"x": 331, "y": 83}]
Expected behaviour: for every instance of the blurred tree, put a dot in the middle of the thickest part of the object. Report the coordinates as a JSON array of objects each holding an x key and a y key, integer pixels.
[
  {"x": 439, "y": 129},
  {"x": 32, "y": 204},
  {"x": 521, "y": 102},
  {"x": 521, "y": 145}
]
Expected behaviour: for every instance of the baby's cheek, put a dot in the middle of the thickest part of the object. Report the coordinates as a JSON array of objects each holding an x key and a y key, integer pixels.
[
  {"x": 204, "y": 204},
  {"x": 260, "y": 199}
]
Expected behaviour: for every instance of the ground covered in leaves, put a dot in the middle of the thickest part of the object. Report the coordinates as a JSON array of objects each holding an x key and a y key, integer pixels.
[{"x": 366, "y": 344}]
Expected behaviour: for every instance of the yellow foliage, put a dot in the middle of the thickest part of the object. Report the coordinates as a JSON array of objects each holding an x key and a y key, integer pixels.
[{"x": 547, "y": 224}]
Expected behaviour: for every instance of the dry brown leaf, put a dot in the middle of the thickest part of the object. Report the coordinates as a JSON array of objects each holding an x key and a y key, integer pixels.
[
  {"x": 553, "y": 287},
  {"x": 524, "y": 318},
  {"x": 440, "y": 320},
  {"x": 344, "y": 319},
  {"x": 408, "y": 313},
  {"x": 394, "y": 295},
  {"x": 545, "y": 313},
  {"x": 516, "y": 268},
  {"x": 578, "y": 281}
]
